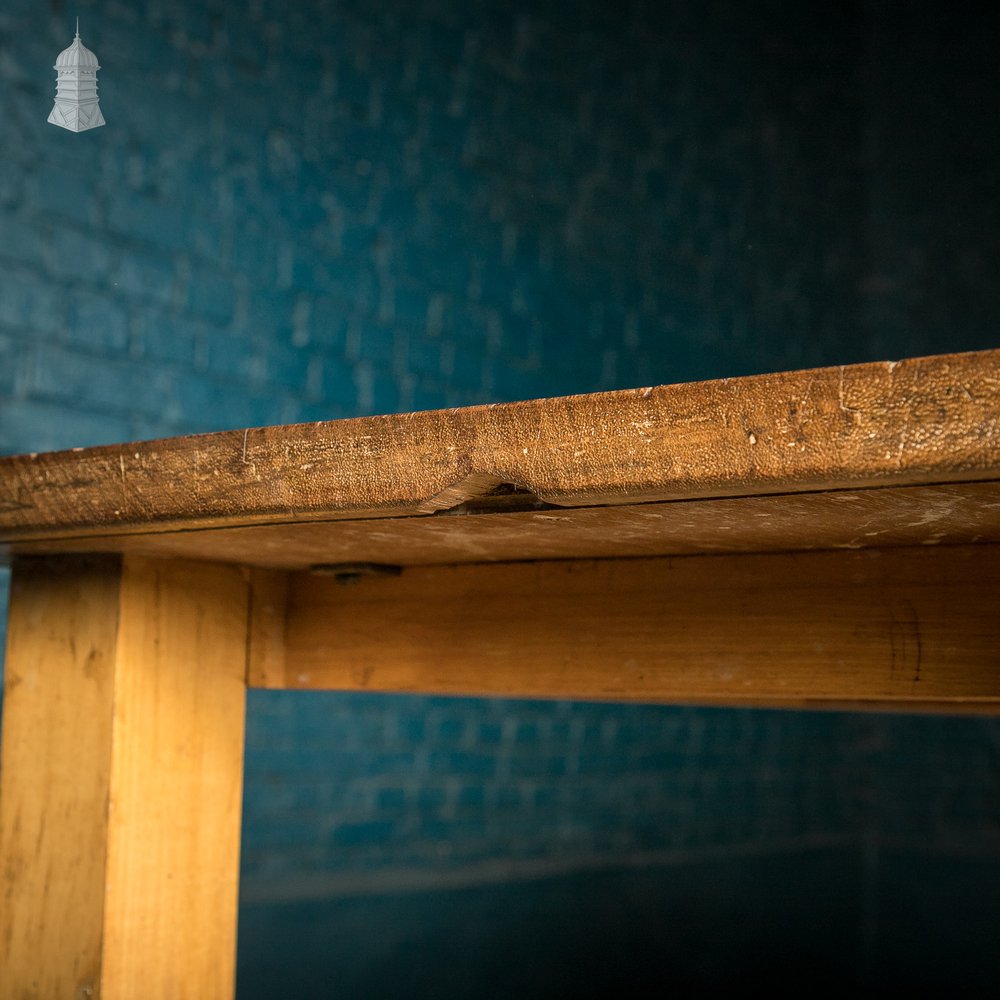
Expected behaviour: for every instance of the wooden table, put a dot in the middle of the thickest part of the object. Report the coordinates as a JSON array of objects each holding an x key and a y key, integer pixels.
[{"x": 826, "y": 537}]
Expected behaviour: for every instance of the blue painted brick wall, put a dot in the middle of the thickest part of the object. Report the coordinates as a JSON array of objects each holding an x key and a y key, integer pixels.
[{"x": 315, "y": 210}]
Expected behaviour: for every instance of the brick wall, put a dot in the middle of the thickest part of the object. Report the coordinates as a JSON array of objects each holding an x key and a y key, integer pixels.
[
  {"x": 377, "y": 791},
  {"x": 309, "y": 211},
  {"x": 929, "y": 155}
]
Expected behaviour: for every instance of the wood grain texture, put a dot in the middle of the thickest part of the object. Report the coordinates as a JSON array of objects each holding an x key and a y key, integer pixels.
[
  {"x": 55, "y": 776},
  {"x": 266, "y": 639},
  {"x": 122, "y": 779},
  {"x": 949, "y": 514},
  {"x": 177, "y": 771},
  {"x": 917, "y": 421},
  {"x": 885, "y": 627}
]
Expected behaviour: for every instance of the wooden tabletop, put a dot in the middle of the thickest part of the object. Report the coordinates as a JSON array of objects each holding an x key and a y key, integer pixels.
[
  {"x": 497, "y": 551},
  {"x": 895, "y": 453}
]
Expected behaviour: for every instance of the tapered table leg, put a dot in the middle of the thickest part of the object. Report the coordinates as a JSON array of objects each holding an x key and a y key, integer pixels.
[{"x": 121, "y": 779}]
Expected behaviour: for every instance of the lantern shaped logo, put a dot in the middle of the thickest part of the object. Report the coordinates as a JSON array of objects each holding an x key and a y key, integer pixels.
[{"x": 76, "y": 106}]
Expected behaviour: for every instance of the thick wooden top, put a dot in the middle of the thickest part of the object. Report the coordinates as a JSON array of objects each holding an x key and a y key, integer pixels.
[{"x": 888, "y": 453}]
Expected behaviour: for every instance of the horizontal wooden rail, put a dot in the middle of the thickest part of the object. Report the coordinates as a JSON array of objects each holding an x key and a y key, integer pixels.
[{"x": 914, "y": 627}]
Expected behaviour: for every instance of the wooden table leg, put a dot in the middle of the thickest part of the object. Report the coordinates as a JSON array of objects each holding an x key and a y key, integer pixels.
[{"x": 121, "y": 768}]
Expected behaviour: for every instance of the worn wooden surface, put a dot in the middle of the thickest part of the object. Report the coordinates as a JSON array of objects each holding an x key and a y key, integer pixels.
[
  {"x": 915, "y": 627},
  {"x": 920, "y": 421},
  {"x": 122, "y": 779},
  {"x": 55, "y": 777},
  {"x": 948, "y": 514}
]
